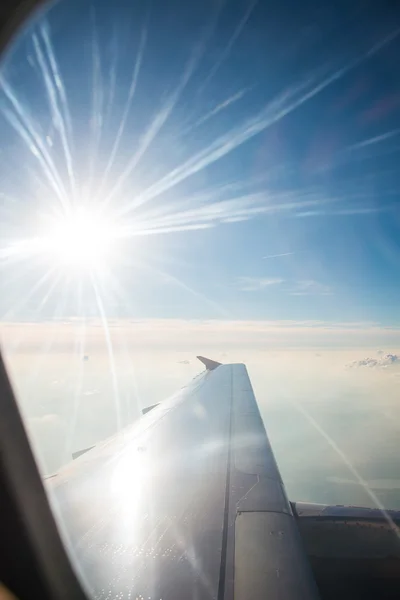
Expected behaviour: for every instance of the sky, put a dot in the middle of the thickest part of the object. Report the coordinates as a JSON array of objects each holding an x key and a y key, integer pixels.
[
  {"x": 247, "y": 149},
  {"x": 212, "y": 178}
]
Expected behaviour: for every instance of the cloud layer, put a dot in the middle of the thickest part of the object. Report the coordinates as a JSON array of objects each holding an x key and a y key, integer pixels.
[{"x": 191, "y": 335}]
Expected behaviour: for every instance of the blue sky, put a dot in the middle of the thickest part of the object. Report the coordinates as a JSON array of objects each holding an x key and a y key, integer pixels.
[{"x": 256, "y": 164}]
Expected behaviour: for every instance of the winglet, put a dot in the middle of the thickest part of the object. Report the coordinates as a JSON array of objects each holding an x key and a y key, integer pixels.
[
  {"x": 149, "y": 408},
  {"x": 209, "y": 364},
  {"x": 79, "y": 452}
]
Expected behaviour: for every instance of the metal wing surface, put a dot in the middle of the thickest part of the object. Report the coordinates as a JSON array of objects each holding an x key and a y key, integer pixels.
[{"x": 187, "y": 503}]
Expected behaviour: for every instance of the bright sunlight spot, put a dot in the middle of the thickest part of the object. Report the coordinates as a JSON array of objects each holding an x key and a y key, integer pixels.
[{"x": 80, "y": 240}]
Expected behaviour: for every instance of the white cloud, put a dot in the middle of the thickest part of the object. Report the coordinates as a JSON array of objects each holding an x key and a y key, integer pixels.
[
  {"x": 194, "y": 336},
  {"x": 303, "y": 287},
  {"x": 385, "y": 361},
  {"x": 309, "y": 287},
  {"x": 253, "y": 284}
]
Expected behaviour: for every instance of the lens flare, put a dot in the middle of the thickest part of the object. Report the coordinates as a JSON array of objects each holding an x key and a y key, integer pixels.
[{"x": 81, "y": 240}]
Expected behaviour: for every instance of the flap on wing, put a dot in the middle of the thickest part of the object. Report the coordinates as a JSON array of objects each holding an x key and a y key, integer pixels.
[
  {"x": 341, "y": 512},
  {"x": 269, "y": 559}
]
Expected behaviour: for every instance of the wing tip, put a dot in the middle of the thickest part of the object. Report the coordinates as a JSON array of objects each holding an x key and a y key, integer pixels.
[
  {"x": 209, "y": 364},
  {"x": 149, "y": 408},
  {"x": 80, "y": 452}
]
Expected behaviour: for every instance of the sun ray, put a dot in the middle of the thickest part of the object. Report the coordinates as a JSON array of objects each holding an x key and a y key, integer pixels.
[
  {"x": 225, "y": 53},
  {"x": 45, "y": 31},
  {"x": 127, "y": 108},
  {"x": 13, "y": 312},
  {"x": 80, "y": 340},
  {"x": 21, "y": 123},
  {"x": 48, "y": 340},
  {"x": 58, "y": 118},
  {"x": 215, "y": 111},
  {"x": 97, "y": 101},
  {"x": 47, "y": 295},
  {"x": 110, "y": 351},
  {"x": 297, "y": 406},
  {"x": 13, "y": 347},
  {"x": 163, "y": 115},
  {"x": 204, "y": 299},
  {"x": 112, "y": 76},
  {"x": 66, "y": 116},
  {"x": 237, "y": 136}
]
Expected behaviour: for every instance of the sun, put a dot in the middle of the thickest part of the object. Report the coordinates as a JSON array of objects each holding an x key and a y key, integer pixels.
[{"x": 80, "y": 240}]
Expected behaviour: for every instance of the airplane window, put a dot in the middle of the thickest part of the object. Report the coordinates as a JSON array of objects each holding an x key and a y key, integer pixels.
[{"x": 220, "y": 179}]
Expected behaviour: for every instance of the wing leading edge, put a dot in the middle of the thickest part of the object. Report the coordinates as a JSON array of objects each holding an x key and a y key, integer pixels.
[{"x": 186, "y": 503}]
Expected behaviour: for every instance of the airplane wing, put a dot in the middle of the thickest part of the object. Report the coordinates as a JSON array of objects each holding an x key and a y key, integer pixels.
[{"x": 187, "y": 503}]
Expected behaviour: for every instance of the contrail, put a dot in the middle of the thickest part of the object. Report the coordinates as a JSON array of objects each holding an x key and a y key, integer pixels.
[
  {"x": 279, "y": 255},
  {"x": 57, "y": 77},
  {"x": 33, "y": 148},
  {"x": 97, "y": 100},
  {"x": 194, "y": 201},
  {"x": 236, "y": 137},
  {"x": 241, "y": 207},
  {"x": 112, "y": 73},
  {"x": 155, "y": 127},
  {"x": 127, "y": 108},
  {"x": 374, "y": 140},
  {"x": 231, "y": 100},
  {"x": 173, "y": 229},
  {"x": 220, "y": 148},
  {"x": 224, "y": 145},
  {"x": 229, "y": 46},
  {"x": 25, "y": 128},
  {"x": 162, "y": 116},
  {"x": 55, "y": 110}
]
